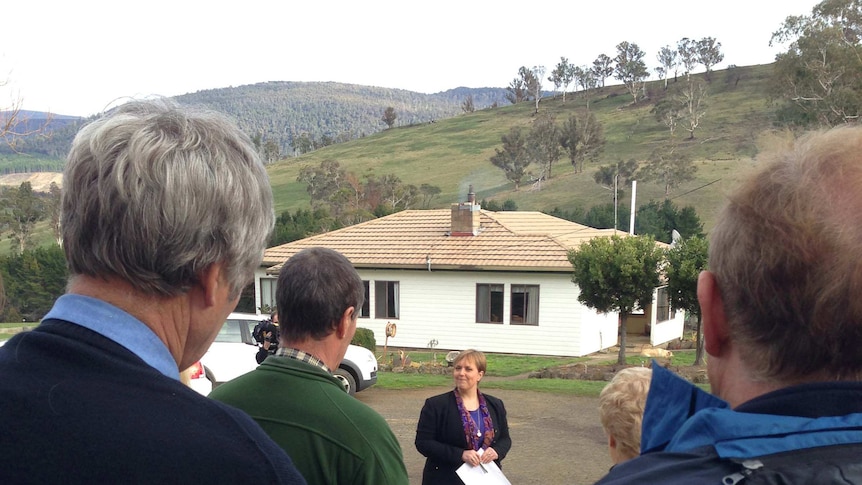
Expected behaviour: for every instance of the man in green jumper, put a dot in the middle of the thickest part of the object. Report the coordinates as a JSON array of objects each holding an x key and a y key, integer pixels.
[{"x": 331, "y": 437}]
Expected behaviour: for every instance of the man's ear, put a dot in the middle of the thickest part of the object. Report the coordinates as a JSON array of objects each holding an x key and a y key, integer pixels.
[
  {"x": 347, "y": 320},
  {"x": 213, "y": 280},
  {"x": 714, "y": 320}
]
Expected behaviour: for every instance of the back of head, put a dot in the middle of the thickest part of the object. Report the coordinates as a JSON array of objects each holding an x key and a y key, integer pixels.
[
  {"x": 315, "y": 287},
  {"x": 621, "y": 409},
  {"x": 154, "y": 194},
  {"x": 787, "y": 255}
]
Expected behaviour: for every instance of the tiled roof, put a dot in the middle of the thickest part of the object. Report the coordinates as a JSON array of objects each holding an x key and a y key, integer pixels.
[{"x": 514, "y": 241}]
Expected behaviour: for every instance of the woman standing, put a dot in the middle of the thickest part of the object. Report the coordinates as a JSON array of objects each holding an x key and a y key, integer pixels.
[{"x": 454, "y": 426}]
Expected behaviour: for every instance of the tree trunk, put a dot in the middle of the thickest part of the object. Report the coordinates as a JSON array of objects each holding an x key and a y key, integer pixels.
[
  {"x": 621, "y": 358},
  {"x": 698, "y": 356}
]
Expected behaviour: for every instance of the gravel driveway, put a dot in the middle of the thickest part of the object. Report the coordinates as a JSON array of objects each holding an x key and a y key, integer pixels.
[{"x": 556, "y": 439}]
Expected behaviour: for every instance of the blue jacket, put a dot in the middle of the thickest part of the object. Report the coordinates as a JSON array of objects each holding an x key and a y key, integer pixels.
[{"x": 811, "y": 433}]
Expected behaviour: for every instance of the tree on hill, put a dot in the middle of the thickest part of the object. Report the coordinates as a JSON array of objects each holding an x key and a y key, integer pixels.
[
  {"x": 389, "y": 117},
  {"x": 428, "y": 192},
  {"x": 322, "y": 181},
  {"x": 667, "y": 60},
  {"x": 583, "y": 139},
  {"x": 467, "y": 106},
  {"x": 709, "y": 54},
  {"x": 514, "y": 158},
  {"x": 617, "y": 274},
  {"x": 543, "y": 142},
  {"x": 535, "y": 84},
  {"x": 820, "y": 76},
  {"x": 668, "y": 166},
  {"x": 562, "y": 75},
  {"x": 630, "y": 68},
  {"x": 687, "y": 49},
  {"x": 615, "y": 178},
  {"x": 692, "y": 101},
  {"x": 522, "y": 87},
  {"x": 603, "y": 68},
  {"x": 686, "y": 259},
  {"x": 588, "y": 82}
]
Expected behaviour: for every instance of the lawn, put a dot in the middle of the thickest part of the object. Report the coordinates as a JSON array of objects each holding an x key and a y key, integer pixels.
[{"x": 505, "y": 371}]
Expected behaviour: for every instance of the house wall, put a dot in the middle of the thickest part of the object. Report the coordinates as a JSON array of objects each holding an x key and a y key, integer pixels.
[{"x": 439, "y": 308}]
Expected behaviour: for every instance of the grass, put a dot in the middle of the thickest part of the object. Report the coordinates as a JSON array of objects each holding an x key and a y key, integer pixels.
[
  {"x": 455, "y": 152},
  {"x": 680, "y": 358},
  {"x": 499, "y": 365}
]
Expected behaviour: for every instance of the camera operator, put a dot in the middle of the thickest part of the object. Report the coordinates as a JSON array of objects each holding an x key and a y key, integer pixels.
[{"x": 266, "y": 335}]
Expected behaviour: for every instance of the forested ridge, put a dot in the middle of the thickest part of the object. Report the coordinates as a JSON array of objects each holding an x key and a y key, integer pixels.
[{"x": 322, "y": 113}]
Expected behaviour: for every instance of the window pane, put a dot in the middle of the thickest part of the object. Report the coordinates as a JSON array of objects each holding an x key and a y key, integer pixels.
[
  {"x": 365, "y": 311},
  {"x": 267, "y": 292},
  {"x": 386, "y": 299},
  {"x": 489, "y": 303},
  {"x": 525, "y": 305}
]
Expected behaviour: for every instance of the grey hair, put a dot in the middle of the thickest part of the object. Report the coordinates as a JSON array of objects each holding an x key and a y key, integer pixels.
[{"x": 154, "y": 193}]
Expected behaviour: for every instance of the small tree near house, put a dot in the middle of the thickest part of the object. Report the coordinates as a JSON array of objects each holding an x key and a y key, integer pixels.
[{"x": 617, "y": 274}]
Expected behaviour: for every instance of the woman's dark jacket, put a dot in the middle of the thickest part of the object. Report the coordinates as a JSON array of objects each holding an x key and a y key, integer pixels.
[{"x": 440, "y": 437}]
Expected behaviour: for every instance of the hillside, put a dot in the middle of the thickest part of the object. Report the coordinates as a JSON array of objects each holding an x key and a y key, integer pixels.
[
  {"x": 326, "y": 112},
  {"x": 454, "y": 153}
]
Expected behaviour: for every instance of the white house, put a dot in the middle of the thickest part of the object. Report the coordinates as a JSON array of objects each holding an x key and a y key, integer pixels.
[{"x": 472, "y": 278}]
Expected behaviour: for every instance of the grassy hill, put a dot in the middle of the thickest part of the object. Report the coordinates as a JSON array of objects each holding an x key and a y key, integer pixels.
[{"x": 454, "y": 153}]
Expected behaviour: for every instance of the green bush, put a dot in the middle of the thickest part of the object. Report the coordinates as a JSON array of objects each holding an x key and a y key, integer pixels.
[{"x": 364, "y": 337}]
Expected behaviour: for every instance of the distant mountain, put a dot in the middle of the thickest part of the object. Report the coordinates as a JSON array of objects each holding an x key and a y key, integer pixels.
[
  {"x": 282, "y": 111},
  {"x": 335, "y": 112}
]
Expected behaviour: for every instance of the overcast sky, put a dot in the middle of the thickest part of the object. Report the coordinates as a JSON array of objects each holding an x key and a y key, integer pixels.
[{"x": 81, "y": 57}]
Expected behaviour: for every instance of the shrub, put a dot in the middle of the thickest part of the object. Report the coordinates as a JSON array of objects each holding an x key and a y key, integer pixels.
[{"x": 364, "y": 337}]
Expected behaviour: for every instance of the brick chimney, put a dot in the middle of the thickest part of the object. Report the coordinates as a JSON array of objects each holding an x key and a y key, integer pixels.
[{"x": 465, "y": 216}]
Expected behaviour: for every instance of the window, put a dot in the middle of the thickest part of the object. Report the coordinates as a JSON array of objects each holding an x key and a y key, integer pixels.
[
  {"x": 386, "y": 296},
  {"x": 525, "y": 305},
  {"x": 489, "y": 303},
  {"x": 267, "y": 292},
  {"x": 365, "y": 311},
  {"x": 663, "y": 311}
]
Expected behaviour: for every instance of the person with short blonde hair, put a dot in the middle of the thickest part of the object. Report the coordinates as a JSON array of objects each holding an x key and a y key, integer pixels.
[
  {"x": 621, "y": 409},
  {"x": 462, "y": 426}
]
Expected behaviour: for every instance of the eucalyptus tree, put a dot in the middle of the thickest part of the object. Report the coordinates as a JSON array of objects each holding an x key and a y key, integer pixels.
[
  {"x": 543, "y": 142},
  {"x": 709, "y": 54},
  {"x": 630, "y": 68},
  {"x": 667, "y": 59},
  {"x": 582, "y": 137},
  {"x": 513, "y": 159},
  {"x": 603, "y": 68}
]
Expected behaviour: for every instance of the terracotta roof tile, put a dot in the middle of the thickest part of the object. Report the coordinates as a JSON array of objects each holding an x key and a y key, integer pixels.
[{"x": 522, "y": 241}]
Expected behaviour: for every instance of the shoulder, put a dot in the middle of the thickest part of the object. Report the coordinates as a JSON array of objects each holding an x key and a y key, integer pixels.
[
  {"x": 698, "y": 466},
  {"x": 493, "y": 401},
  {"x": 440, "y": 400}
]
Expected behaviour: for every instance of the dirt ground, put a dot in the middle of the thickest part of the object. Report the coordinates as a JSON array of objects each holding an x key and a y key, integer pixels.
[{"x": 555, "y": 438}]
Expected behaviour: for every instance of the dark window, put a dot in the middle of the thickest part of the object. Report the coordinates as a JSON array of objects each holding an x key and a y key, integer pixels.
[
  {"x": 365, "y": 311},
  {"x": 489, "y": 303},
  {"x": 386, "y": 297},
  {"x": 525, "y": 305}
]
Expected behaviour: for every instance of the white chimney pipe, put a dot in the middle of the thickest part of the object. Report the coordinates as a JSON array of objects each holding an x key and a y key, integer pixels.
[{"x": 634, "y": 196}]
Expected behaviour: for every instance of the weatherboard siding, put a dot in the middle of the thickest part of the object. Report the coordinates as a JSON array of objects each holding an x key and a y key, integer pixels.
[{"x": 440, "y": 307}]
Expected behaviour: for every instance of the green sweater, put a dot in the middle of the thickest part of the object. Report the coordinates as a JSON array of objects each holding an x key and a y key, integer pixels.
[{"x": 331, "y": 437}]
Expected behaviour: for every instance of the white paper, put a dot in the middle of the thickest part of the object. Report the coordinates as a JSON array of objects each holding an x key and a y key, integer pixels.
[{"x": 484, "y": 474}]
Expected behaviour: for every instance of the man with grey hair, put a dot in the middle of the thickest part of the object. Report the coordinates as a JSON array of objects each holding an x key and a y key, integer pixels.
[
  {"x": 782, "y": 324},
  {"x": 165, "y": 214},
  {"x": 332, "y": 437}
]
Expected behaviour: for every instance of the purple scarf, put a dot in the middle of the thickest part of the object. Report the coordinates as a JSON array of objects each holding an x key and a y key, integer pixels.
[{"x": 471, "y": 429}]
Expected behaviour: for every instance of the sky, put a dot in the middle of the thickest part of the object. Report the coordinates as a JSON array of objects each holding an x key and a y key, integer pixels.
[{"x": 80, "y": 57}]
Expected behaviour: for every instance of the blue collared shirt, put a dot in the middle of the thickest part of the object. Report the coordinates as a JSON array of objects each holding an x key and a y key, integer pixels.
[{"x": 117, "y": 325}]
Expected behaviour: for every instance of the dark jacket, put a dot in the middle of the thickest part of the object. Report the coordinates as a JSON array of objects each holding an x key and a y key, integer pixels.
[
  {"x": 440, "y": 437},
  {"x": 811, "y": 433},
  {"x": 76, "y": 407}
]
